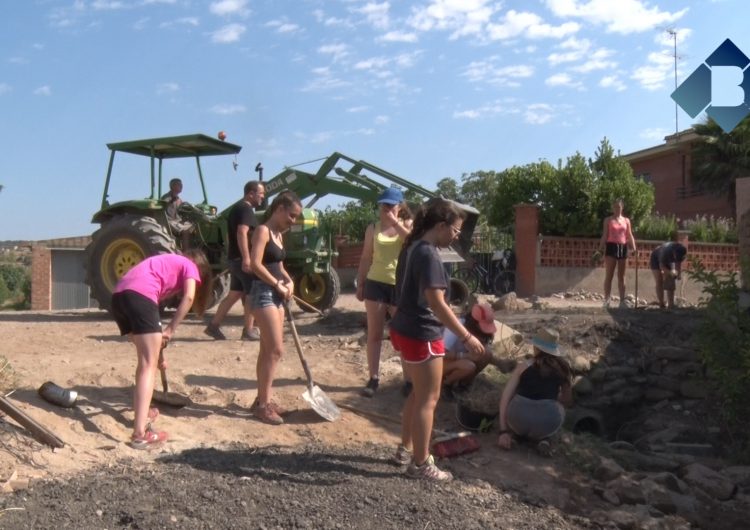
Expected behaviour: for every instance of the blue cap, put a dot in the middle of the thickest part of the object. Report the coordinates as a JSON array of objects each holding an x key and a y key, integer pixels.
[{"x": 391, "y": 196}]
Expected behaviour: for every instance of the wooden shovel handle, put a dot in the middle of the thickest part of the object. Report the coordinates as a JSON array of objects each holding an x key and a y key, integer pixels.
[{"x": 163, "y": 371}]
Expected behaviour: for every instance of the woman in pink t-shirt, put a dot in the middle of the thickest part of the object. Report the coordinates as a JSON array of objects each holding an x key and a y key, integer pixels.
[
  {"x": 616, "y": 236},
  {"x": 135, "y": 307}
]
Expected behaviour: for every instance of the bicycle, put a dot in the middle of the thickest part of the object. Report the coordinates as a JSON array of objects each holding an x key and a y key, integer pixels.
[{"x": 499, "y": 280}]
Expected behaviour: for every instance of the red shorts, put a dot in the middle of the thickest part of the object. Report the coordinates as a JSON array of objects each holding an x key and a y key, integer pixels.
[{"x": 416, "y": 351}]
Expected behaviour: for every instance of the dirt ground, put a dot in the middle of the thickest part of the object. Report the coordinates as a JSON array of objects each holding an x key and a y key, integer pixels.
[{"x": 223, "y": 469}]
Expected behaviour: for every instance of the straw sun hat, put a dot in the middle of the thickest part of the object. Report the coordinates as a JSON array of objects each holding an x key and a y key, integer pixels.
[{"x": 548, "y": 340}]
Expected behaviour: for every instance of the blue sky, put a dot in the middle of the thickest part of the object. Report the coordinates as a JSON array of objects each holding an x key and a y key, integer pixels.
[{"x": 425, "y": 89}]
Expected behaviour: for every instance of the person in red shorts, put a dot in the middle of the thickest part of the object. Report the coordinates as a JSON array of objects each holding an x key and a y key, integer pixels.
[{"x": 417, "y": 330}]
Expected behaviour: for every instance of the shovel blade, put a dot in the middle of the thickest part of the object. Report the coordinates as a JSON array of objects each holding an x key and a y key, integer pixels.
[{"x": 321, "y": 403}]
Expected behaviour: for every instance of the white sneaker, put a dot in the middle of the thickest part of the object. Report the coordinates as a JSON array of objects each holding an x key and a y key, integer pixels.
[
  {"x": 402, "y": 456},
  {"x": 428, "y": 471}
]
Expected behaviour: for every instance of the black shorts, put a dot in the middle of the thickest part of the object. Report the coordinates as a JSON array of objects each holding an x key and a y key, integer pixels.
[
  {"x": 136, "y": 314},
  {"x": 383, "y": 293},
  {"x": 240, "y": 279},
  {"x": 616, "y": 250}
]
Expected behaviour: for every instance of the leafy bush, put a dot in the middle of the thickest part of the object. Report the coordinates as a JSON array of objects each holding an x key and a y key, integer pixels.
[
  {"x": 351, "y": 221},
  {"x": 15, "y": 284},
  {"x": 724, "y": 342},
  {"x": 655, "y": 227},
  {"x": 711, "y": 229},
  {"x": 574, "y": 197}
]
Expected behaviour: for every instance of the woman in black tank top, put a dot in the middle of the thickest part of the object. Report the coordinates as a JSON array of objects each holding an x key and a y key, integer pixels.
[
  {"x": 532, "y": 402},
  {"x": 273, "y": 287}
]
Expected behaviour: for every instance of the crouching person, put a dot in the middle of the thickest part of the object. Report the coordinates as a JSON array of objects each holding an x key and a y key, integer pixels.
[
  {"x": 533, "y": 400},
  {"x": 460, "y": 366}
]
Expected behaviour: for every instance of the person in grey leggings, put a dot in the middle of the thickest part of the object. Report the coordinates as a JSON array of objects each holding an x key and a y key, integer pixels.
[{"x": 532, "y": 403}]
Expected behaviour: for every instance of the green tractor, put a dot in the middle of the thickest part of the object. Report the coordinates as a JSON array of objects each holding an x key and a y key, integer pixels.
[{"x": 132, "y": 230}]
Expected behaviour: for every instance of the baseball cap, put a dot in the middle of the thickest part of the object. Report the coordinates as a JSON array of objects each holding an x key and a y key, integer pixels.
[
  {"x": 485, "y": 317},
  {"x": 391, "y": 196}
]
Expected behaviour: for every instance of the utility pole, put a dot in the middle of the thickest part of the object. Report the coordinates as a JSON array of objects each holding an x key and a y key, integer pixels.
[{"x": 673, "y": 33}]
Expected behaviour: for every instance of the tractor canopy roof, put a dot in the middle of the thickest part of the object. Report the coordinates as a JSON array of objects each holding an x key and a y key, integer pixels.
[{"x": 189, "y": 145}]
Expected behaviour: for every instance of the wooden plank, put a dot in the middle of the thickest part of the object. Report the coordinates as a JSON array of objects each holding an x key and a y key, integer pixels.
[{"x": 38, "y": 431}]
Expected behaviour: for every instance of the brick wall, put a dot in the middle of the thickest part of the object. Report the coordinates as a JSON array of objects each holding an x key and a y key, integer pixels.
[
  {"x": 577, "y": 252},
  {"x": 41, "y": 278}
]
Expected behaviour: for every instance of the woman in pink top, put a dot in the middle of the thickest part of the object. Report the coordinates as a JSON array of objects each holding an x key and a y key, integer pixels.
[
  {"x": 135, "y": 307},
  {"x": 616, "y": 236}
]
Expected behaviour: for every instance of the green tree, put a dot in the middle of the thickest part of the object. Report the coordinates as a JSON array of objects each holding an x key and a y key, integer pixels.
[
  {"x": 720, "y": 158},
  {"x": 478, "y": 190},
  {"x": 519, "y": 184},
  {"x": 448, "y": 189},
  {"x": 13, "y": 277}
]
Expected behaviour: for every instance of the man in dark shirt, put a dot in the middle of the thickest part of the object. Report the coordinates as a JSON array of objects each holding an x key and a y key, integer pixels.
[
  {"x": 180, "y": 227},
  {"x": 666, "y": 266},
  {"x": 240, "y": 224}
]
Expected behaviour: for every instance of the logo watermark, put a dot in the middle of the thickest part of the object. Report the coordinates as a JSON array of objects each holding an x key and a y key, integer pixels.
[{"x": 720, "y": 86}]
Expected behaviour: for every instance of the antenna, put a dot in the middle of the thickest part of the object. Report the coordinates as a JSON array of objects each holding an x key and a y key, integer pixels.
[{"x": 673, "y": 33}]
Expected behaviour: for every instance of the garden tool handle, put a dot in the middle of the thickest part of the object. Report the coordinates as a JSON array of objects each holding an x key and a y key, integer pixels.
[
  {"x": 307, "y": 305},
  {"x": 298, "y": 345},
  {"x": 164, "y": 384}
]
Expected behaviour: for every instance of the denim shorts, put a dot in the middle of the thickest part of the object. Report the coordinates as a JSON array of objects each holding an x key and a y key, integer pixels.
[{"x": 263, "y": 295}]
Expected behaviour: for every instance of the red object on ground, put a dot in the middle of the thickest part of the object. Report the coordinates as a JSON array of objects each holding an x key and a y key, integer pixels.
[{"x": 461, "y": 443}]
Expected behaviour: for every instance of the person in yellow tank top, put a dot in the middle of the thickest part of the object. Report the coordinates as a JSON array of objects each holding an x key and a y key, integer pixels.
[{"x": 376, "y": 276}]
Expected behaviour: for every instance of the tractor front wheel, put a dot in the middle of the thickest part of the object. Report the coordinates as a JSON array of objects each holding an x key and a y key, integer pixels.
[
  {"x": 319, "y": 289},
  {"x": 119, "y": 245}
]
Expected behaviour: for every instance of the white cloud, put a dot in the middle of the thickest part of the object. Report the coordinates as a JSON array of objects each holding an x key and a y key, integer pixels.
[
  {"x": 288, "y": 28},
  {"x": 622, "y": 16},
  {"x": 225, "y": 8},
  {"x": 360, "y": 108},
  {"x": 167, "y": 88},
  {"x": 612, "y": 81},
  {"x": 18, "y": 60},
  {"x": 562, "y": 79},
  {"x": 575, "y": 50},
  {"x": 381, "y": 119},
  {"x": 226, "y": 109},
  {"x": 462, "y": 17},
  {"x": 656, "y": 134},
  {"x": 373, "y": 63},
  {"x": 43, "y": 90},
  {"x": 337, "y": 51},
  {"x": 525, "y": 24},
  {"x": 324, "y": 81},
  {"x": 493, "y": 108},
  {"x": 184, "y": 21},
  {"x": 538, "y": 113},
  {"x": 111, "y": 5},
  {"x": 376, "y": 14},
  {"x": 320, "y": 137},
  {"x": 141, "y": 23},
  {"x": 597, "y": 60},
  {"x": 398, "y": 36},
  {"x": 655, "y": 73},
  {"x": 5, "y": 88},
  {"x": 489, "y": 71},
  {"x": 147, "y": 2},
  {"x": 227, "y": 34}
]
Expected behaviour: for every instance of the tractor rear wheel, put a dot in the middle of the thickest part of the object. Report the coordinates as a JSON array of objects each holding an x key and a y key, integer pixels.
[
  {"x": 319, "y": 289},
  {"x": 119, "y": 245}
]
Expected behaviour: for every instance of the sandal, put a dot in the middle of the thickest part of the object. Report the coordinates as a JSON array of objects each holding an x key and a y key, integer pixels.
[{"x": 149, "y": 439}]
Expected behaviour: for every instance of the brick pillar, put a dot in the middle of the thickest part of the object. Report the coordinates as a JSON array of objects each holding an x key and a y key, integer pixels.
[
  {"x": 527, "y": 228},
  {"x": 41, "y": 278}
]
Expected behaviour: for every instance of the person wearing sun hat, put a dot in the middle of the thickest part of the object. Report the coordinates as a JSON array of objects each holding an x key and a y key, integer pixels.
[
  {"x": 459, "y": 366},
  {"x": 531, "y": 405},
  {"x": 376, "y": 275}
]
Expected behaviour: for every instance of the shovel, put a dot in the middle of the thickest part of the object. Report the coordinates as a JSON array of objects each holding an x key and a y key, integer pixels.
[
  {"x": 173, "y": 399},
  {"x": 317, "y": 399}
]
